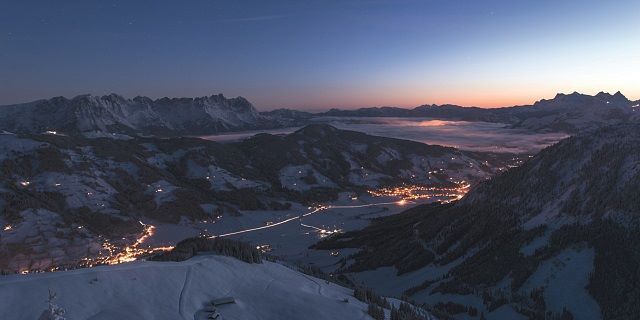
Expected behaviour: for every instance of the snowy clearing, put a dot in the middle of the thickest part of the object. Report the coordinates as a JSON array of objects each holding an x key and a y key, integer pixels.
[{"x": 178, "y": 290}]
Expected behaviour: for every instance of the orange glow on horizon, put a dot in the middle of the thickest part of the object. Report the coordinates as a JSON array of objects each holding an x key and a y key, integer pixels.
[
  {"x": 433, "y": 123},
  {"x": 408, "y": 98}
]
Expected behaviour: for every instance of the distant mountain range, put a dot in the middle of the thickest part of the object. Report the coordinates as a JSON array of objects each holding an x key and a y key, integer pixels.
[
  {"x": 113, "y": 114},
  {"x": 567, "y": 113},
  {"x": 62, "y": 196},
  {"x": 558, "y": 234}
]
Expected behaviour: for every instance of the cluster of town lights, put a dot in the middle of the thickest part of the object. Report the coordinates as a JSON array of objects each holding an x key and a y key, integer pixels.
[
  {"x": 113, "y": 254},
  {"x": 116, "y": 255},
  {"x": 417, "y": 192}
]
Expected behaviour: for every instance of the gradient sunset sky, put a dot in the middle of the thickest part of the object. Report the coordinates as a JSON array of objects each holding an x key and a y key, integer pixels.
[{"x": 320, "y": 54}]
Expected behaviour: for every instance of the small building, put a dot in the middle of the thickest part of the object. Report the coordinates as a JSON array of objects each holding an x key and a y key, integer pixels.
[{"x": 221, "y": 301}]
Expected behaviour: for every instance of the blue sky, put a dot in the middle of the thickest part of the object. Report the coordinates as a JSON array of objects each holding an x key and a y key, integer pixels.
[{"x": 320, "y": 54}]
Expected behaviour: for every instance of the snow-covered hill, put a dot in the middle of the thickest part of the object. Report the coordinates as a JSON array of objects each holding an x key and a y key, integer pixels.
[
  {"x": 557, "y": 234},
  {"x": 96, "y": 115},
  {"x": 180, "y": 290}
]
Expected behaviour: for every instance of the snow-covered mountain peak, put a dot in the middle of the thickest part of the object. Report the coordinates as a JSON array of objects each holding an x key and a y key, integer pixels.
[
  {"x": 141, "y": 115},
  {"x": 579, "y": 100}
]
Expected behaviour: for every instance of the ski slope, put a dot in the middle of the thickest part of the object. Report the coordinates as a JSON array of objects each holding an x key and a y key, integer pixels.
[{"x": 179, "y": 290}]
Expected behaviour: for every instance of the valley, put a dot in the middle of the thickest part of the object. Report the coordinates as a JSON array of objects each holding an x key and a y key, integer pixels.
[
  {"x": 463, "y": 135},
  {"x": 287, "y": 234},
  {"x": 81, "y": 202}
]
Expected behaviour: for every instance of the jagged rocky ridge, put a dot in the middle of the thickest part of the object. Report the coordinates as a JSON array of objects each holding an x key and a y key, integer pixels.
[
  {"x": 552, "y": 235},
  {"x": 64, "y": 195},
  {"x": 103, "y": 115}
]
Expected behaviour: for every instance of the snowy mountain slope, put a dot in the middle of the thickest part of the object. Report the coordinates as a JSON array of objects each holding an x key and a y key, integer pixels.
[
  {"x": 578, "y": 112},
  {"x": 141, "y": 115},
  {"x": 180, "y": 290},
  {"x": 507, "y": 241},
  {"x": 64, "y": 198}
]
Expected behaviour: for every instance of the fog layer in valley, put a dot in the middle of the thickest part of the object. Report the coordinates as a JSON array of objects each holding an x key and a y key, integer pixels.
[{"x": 465, "y": 135}]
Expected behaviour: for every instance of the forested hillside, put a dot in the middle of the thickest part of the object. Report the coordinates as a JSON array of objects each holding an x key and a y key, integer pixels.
[{"x": 575, "y": 202}]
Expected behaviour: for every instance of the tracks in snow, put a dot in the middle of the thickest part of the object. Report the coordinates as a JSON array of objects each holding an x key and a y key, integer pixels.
[{"x": 185, "y": 285}]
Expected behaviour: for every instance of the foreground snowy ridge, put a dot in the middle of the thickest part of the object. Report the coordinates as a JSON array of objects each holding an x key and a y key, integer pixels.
[{"x": 180, "y": 290}]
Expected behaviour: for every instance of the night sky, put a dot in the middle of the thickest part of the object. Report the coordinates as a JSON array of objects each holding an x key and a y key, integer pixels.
[{"x": 321, "y": 54}]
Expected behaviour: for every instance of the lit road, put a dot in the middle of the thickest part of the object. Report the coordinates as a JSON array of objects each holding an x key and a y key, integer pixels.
[{"x": 315, "y": 210}]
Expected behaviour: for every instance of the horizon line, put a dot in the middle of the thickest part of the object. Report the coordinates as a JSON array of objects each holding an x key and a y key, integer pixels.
[{"x": 318, "y": 109}]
